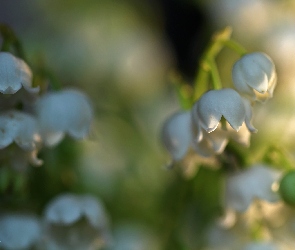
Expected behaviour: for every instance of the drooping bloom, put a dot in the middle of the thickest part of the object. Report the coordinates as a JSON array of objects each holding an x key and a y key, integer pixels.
[
  {"x": 75, "y": 222},
  {"x": 208, "y": 144},
  {"x": 177, "y": 134},
  {"x": 19, "y": 127},
  {"x": 182, "y": 130},
  {"x": 245, "y": 186},
  {"x": 19, "y": 139},
  {"x": 19, "y": 231},
  {"x": 134, "y": 237},
  {"x": 254, "y": 76},
  {"x": 214, "y": 104},
  {"x": 66, "y": 111},
  {"x": 14, "y": 74},
  {"x": 215, "y": 142},
  {"x": 264, "y": 245}
]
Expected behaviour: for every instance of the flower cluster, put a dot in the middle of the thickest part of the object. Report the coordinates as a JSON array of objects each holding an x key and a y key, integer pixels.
[
  {"x": 69, "y": 222},
  {"x": 222, "y": 114},
  {"x": 29, "y": 120}
]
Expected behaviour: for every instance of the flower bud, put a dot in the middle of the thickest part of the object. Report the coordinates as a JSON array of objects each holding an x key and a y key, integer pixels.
[
  {"x": 286, "y": 189},
  {"x": 254, "y": 76}
]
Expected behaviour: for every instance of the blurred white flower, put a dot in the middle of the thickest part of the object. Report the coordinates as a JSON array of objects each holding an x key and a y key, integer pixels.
[
  {"x": 19, "y": 231},
  {"x": 224, "y": 102},
  {"x": 76, "y": 222},
  {"x": 245, "y": 186},
  {"x": 261, "y": 246},
  {"x": 66, "y": 111},
  {"x": 19, "y": 127},
  {"x": 14, "y": 74},
  {"x": 254, "y": 76},
  {"x": 130, "y": 236},
  {"x": 177, "y": 134}
]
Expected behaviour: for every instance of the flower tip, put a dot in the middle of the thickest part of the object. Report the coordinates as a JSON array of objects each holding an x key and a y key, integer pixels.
[
  {"x": 209, "y": 130},
  {"x": 253, "y": 130},
  {"x": 236, "y": 128}
]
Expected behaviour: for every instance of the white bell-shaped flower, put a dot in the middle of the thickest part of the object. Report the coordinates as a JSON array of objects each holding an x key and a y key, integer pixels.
[
  {"x": 254, "y": 76},
  {"x": 217, "y": 103},
  {"x": 215, "y": 142},
  {"x": 75, "y": 222},
  {"x": 19, "y": 127},
  {"x": 130, "y": 236},
  {"x": 177, "y": 134},
  {"x": 214, "y": 104},
  {"x": 263, "y": 245},
  {"x": 253, "y": 183},
  {"x": 19, "y": 231},
  {"x": 208, "y": 144},
  {"x": 14, "y": 74},
  {"x": 66, "y": 111}
]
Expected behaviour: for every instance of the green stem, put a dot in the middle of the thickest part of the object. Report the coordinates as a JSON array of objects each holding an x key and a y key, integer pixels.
[
  {"x": 207, "y": 63},
  {"x": 230, "y": 43},
  {"x": 201, "y": 79},
  {"x": 214, "y": 74},
  {"x": 10, "y": 39}
]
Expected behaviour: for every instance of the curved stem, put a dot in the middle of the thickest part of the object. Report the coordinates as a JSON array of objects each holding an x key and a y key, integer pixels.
[
  {"x": 214, "y": 74},
  {"x": 230, "y": 43},
  {"x": 10, "y": 39}
]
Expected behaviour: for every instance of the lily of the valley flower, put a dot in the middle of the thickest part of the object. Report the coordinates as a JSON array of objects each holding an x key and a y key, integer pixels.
[
  {"x": 19, "y": 127},
  {"x": 75, "y": 222},
  {"x": 215, "y": 142},
  {"x": 177, "y": 134},
  {"x": 214, "y": 104},
  {"x": 254, "y": 76},
  {"x": 264, "y": 245},
  {"x": 19, "y": 231},
  {"x": 182, "y": 130},
  {"x": 14, "y": 74},
  {"x": 245, "y": 186},
  {"x": 67, "y": 111}
]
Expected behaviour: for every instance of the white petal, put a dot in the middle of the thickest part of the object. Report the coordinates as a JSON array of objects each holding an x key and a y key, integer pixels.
[
  {"x": 64, "y": 209},
  {"x": 18, "y": 231},
  {"x": 196, "y": 123},
  {"x": 14, "y": 73},
  {"x": 246, "y": 185},
  {"x": 216, "y": 103},
  {"x": 177, "y": 135},
  {"x": 19, "y": 127},
  {"x": 203, "y": 148},
  {"x": 242, "y": 137},
  {"x": 67, "y": 111},
  {"x": 218, "y": 140},
  {"x": 211, "y": 143},
  {"x": 255, "y": 71},
  {"x": 248, "y": 117},
  {"x": 94, "y": 211},
  {"x": 261, "y": 246}
]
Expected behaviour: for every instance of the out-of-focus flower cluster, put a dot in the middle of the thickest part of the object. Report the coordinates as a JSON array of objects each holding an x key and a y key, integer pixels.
[
  {"x": 69, "y": 222},
  {"x": 30, "y": 120},
  {"x": 222, "y": 114}
]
